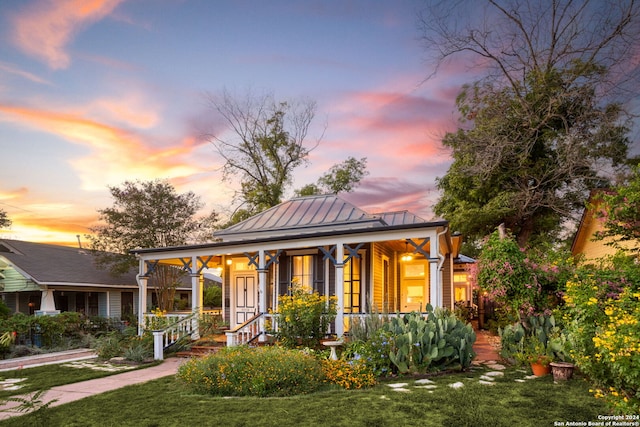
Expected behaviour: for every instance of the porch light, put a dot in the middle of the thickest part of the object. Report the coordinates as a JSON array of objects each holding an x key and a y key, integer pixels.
[
  {"x": 229, "y": 261},
  {"x": 407, "y": 255}
]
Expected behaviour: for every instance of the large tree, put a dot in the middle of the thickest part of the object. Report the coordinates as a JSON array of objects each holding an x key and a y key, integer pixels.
[
  {"x": 5, "y": 222},
  {"x": 262, "y": 144},
  {"x": 547, "y": 118},
  {"x": 342, "y": 177},
  {"x": 147, "y": 214}
]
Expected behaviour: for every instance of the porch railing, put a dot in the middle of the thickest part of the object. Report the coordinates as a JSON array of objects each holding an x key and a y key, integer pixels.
[
  {"x": 164, "y": 338},
  {"x": 185, "y": 324},
  {"x": 252, "y": 329}
]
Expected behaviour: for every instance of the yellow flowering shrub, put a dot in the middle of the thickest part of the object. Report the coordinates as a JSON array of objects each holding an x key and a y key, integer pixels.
[
  {"x": 602, "y": 314},
  {"x": 352, "y": 374},
  {"x": 245, "y": 371},
  {"x": 304, "y": 317}
]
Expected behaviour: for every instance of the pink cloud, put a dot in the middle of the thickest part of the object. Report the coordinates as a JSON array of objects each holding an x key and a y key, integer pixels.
[{"x": 45, "y": 28}]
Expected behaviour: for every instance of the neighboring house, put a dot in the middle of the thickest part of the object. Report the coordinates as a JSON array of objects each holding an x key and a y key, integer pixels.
[
  {"x": 389, "y": 262},
  {"x": 584, "y": 243},
  {"x": 38, "y": 278}
]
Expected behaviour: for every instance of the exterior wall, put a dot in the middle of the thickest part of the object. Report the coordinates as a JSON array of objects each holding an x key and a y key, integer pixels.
[
  {"x": 115, "y": 304},
  {"x": 378, "y": 252}
]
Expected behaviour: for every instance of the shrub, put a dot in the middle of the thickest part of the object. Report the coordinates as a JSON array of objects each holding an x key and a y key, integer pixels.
[
  {"x": 109, "y": 345},
  {"x": 602, "y": 314},
  {"x": 244, "y": 371},
  {"x": 353, "y": 374},
  {"x": 304, "y": 317},
  {"x": 374, "y": 352},
  {"x": 138, "y": 350}
]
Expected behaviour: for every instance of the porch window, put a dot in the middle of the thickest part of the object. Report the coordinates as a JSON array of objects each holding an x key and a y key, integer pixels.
[
  {"x": 302, "y": 271},
  {"x": 352, "y": 286}
]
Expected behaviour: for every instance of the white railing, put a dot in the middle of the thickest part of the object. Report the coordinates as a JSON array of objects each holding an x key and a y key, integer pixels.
[
  {"x": 250, "y": 330},
  {"x": 163, "y": 338}
]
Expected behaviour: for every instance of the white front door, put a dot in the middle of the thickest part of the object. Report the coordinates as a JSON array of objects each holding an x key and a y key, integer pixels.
[{"x": 246, "y": 297}]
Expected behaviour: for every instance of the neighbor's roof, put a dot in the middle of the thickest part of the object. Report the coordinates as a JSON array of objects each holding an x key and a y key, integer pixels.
[
  {"x": 312, "y": 214},
  {"x": 53, "y": 264}
]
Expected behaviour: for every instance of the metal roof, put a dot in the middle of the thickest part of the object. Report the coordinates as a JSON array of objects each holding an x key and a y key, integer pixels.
[
  {"x": 400, "y": 218},
  {"x": 304, "y": 215}
]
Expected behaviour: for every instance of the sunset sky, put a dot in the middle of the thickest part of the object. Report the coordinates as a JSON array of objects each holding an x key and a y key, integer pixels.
[{"x": 93, "y": 93}]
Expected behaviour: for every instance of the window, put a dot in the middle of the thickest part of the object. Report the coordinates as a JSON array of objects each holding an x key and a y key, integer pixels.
[
  {"x": 302, "y": 270},
  {"x": 352, "y": 286}
]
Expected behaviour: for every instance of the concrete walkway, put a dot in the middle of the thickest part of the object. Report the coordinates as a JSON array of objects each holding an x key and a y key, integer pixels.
[{"x": 76, "y": 391}]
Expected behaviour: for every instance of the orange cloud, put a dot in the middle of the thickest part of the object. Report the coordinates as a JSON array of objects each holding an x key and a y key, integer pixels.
[
  {"x": 44, "y": 29},
  {"x": 116, "y": 154}
]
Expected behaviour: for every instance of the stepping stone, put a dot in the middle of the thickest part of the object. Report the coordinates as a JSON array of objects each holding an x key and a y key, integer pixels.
[
  {"x": 398, "y": 385},
  {"x": 489, "y": 362},
  {"x": 428, "y": 387},
  {"x": 496, "y": 367},
  {"x": 486, "y": 378},
  {"x": 530, "y": 377},
  {"x": 486, "y": 382},
  {"x": 12, "y": 380},
  {"x": 423, "y": 381},
  {"x": 494, "y": 374},
  {"x": 384, "y": 398},
  {"x": 404, "y": 390},
  {"x": 13, "y": 387},
  {"x": 519, "y": 380},
  {"x": 456, "y": 385}
]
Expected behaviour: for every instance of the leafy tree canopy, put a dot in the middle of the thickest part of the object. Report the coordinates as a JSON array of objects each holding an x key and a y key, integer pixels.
[
  {"x": 5, "y": 222},
  {"x": 342, "y": 177},
  {"x": 539, "y": 129}
]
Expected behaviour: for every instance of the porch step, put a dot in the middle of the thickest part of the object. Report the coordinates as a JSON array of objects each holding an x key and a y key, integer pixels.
[{"x": 199, "y": 351}]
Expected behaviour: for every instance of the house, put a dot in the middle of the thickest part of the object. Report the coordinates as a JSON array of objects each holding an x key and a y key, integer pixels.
[
  {"x": 37, "y": 278},
  {"x": 584, "y": 243},
  {"x": 388, "y": 262}
]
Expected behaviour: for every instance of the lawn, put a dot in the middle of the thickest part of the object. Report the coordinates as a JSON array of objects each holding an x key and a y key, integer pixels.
[
  {"x": 44, "y": 377},
  {"x": 506, "y": 402}
]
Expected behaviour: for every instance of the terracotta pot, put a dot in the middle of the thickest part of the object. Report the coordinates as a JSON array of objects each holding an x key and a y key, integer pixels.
[
  {"x": 540, "y": 370},
  {"x": 562, "y": 371}
]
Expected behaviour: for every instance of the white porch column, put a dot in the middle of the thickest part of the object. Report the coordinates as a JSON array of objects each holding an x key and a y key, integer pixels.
[
  {"x": 340, "y": 289},
  {"x": 435, "y": 294},
  {"x": 196, "y": 287},
  {"x": 47, "y": 302},
  {"x": 262, "y": 291},
  {"x": 142, "y": 295}
]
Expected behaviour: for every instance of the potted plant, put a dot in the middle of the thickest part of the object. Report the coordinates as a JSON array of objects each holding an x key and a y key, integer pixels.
[
  {"x": 562, "y": 368},
  {"x": 538, "y": 355}
]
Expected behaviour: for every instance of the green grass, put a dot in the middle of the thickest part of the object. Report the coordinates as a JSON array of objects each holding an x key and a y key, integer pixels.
[
  {"x": 45, "y": 377},
  {"x": 165, "y": 402}
]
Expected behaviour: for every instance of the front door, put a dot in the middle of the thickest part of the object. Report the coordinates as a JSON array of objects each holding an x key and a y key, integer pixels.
[
  {"x": 414, "y": 289},
  {"x": 246, "y": 296}
]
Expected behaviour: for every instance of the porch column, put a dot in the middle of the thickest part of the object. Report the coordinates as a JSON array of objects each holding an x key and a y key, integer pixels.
[
  {"x": 435, "y": 294},
  {"x": 47, "y": 302},
  {"x": 262, "y": 292},
  {"x": 196, "y": 287},
  {"x": 340, "y": 289},
  {"x": 142, "y": 295}
]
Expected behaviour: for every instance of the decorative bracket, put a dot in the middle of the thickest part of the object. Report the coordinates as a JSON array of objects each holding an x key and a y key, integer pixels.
[{"x": 419, "y": 248}]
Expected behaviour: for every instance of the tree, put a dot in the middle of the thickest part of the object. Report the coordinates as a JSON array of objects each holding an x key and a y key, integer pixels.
[
  {"x": 547, "y": 118},
  {"x": 5, "y": 222},
  {"x": 147, "y": 214},
  {"x": 268, "y": 141},
  {"x": 342, "y": 177},
  {"x": 621, "y": 214}
]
